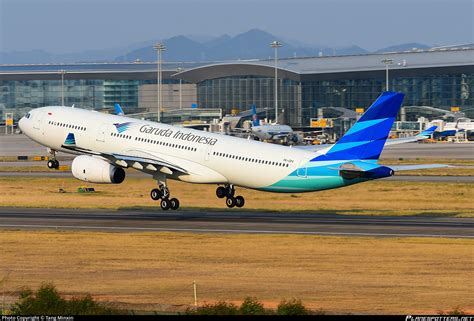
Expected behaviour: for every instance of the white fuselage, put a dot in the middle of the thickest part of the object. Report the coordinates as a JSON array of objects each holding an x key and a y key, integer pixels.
[{"x": 207, "y": 157}]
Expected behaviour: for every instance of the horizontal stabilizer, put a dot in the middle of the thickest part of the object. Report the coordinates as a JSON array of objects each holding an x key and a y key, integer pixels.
[
  {"x": 362, "y": 169},
  {"x": 414, "y": 167}
]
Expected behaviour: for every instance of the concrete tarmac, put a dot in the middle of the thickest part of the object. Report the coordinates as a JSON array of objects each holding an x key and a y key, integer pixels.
[
  {"x": 435, "y": 150},
  {"x": 234, "y": 221}
]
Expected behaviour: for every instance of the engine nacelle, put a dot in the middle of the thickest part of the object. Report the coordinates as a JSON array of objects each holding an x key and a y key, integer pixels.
[{"x": 95, "y": 170}]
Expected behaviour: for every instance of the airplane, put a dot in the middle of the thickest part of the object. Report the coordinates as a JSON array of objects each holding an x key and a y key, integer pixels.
[
  {"x": 272, "y": 132},
  {"x": 462, "y": 125},
  {"x": 106, "y": 144}
]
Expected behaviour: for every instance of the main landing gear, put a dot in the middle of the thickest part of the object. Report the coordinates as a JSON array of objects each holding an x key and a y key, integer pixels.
[
  {"x": 53, "y": 162},
  {"x": 228, "y": 191},
  {"x": 162, "y": 193}
]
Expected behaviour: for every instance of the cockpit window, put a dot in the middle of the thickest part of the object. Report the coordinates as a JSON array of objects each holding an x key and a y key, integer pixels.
[{"x": 27, "y": 115}]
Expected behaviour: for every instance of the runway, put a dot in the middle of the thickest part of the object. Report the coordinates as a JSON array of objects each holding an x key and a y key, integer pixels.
[{"x": 234, "y": 221}]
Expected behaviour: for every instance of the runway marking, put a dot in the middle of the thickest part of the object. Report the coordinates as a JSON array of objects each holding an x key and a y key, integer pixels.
[
  {"x": 273, "y": 218},
  {"x": 232, "y": 231}
]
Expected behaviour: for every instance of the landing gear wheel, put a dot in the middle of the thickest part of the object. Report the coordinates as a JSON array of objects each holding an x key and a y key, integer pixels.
[
  {"x": 230, "y": 202},
  {"x": 165, "y": 204},
  {"x": 53, "y": 164},
  {"x": 174, "y": 203},
  {"x": 239, "y": 201},
  {"x": 221, "y": 192},
  {"x": 155, "y": 194}
]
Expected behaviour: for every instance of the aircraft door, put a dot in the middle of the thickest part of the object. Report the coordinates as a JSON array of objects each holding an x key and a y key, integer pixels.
[
  {"x": 302, "y": 170},
  {"x": 38, "y": 118},
  {"x": 208, "y": 152},
  {"x": 100, "y": 138}
]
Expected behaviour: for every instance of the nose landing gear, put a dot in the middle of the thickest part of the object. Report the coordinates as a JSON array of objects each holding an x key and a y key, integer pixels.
[
  {"x": 228, "y": 191},
  {"x": 53, "y": 162}
]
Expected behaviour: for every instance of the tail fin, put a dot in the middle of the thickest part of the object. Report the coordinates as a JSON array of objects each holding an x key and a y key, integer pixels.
[
  {"x": 255, "y": 121},
  {"x": 366, "y": 139},
  {"x": 118, "y": 110},
  {"x": 428, "y": 132}
]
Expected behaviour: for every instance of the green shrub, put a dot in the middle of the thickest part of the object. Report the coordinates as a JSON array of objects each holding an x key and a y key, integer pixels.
[
  {"x": 251, "y": 306},
  {"x": 47, "y": 301},
  {"x": 219, "y": 308},
  {"x": 292, "y": 307}
]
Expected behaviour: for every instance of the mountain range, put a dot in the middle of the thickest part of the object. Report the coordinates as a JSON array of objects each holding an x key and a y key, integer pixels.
[{"x": 252, "y": 44}]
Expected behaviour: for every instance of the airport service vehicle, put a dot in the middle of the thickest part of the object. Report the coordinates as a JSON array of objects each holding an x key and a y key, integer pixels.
[{"x": 106, "y": 144}]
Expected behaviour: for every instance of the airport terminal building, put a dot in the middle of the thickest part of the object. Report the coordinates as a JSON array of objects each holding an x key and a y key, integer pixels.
[{"x": 440, "y": 78}]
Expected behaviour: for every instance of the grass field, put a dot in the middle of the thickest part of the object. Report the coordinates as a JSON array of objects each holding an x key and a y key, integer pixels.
[
  {"x": 372, "y": 198},
  {"x": 155, "y": 271}
]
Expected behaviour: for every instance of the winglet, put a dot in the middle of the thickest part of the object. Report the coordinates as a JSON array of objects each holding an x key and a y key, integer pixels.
[{"x": 118, "y": 110}]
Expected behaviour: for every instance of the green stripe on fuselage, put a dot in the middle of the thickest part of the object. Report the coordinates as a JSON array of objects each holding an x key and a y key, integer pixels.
[{"x": 298, "y": 184}]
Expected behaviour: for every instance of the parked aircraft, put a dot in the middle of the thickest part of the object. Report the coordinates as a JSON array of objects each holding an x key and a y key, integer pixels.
[
  {"x": 106, "y": 144},
  {"x": 273, "y": 132}
]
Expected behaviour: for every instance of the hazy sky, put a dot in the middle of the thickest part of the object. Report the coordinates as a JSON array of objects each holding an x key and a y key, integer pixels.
[{"x": 61, "y": 26}]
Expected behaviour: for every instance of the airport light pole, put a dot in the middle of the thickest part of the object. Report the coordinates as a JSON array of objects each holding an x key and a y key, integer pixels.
[
  {"x": 275, "y": 45},
  {"x": 179, "y": 69},
  {"x": 159, "y": 47},
  {"x": 387, "y": 62},
  {"x": 62, "y": 72}
]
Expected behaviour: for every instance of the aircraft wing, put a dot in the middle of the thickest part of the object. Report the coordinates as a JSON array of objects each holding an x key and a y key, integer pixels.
[
  {"x": 365, "y": 169},
  {"x": 242, "y": 130},
  {"x": 145, "y": 162},
  {"x": 279, "y": 134},
  {"x": 151, "y": 163}
]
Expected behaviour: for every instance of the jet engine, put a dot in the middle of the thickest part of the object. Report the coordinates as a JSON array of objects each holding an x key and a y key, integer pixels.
[{"x": 96, "y": 170}]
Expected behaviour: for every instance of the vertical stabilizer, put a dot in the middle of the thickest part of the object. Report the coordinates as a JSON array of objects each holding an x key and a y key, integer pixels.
[
  {"x": 366, "y": 139},
  {"x": 255, "y": 121}
]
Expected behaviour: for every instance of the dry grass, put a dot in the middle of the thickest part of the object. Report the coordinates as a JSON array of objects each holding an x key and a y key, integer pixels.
[
  {"x": 373, "y": 198},
  {"x": 32, "y": 169},
  {"x": 338, "y": 274}
]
